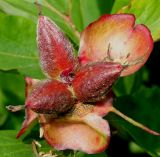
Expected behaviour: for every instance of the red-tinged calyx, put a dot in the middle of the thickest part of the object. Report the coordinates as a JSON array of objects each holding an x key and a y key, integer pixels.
[
  {"x": 92, "y": 82},
  {"x": 55, "y": 50},
  {"x": 116, "y": 38},
  {"x": 102, "y": 108},
  {"x": 30, "y": 118},
  {"x": 90, "y": 133},
  {"x": 50, "y": 97}
]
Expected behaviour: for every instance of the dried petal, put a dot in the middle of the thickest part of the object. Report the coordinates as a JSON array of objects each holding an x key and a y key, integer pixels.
[
  {"x": 50, "y": 96},
  {"x": 92, "y": 82},
  {"x": 90, "y": 134},
  {"x": 56, "y": 52},
  {"x": 116, "y": 38}
]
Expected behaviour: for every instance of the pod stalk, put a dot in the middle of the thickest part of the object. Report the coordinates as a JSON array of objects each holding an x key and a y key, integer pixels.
[{"x": 133, "y": 122}]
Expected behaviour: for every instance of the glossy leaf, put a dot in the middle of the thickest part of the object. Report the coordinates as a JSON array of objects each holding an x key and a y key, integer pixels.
[
  {"x": 14, "y": 82},
  {"x": 19, "y": 8},
  {"x": 147, "y": 12},
  {"x": 76, "y": 14},
  {"x": 83, "y": 12},
  {"x": 18, "y": 46},
  {"x": 61, "y": 5},
  {"x": 11, "y": 93},
  {"x": 130, "y": 84},
  {"x": 27, "y": 9},
  {"x": 143, "y": 106},
  {"x": 10, "y": 146},
  {"x": 81, "y": 154},
  {"x": 3, "y": 112},
  {"x": 118, "y": 4}
]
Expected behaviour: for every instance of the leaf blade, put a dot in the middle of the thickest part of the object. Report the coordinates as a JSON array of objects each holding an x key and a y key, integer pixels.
[
  {"x": 19, "y": 51},
  {"x": 146, "y": 12},
  {"x": 10, "y": 146}
]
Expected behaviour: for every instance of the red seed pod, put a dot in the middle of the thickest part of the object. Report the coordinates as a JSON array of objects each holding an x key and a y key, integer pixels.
[
  {"x": 55, "y": 50},
  {"x": 92, "y": 82},
  {"x": 49, "y": 97}
]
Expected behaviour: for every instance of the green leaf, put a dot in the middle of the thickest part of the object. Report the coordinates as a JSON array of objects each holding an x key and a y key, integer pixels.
[
  {"x": 10, "y": 146},
  {"x": 19, "y": 8},
  {"x": 81, "y": 154},
  {"x": 61, "y": 5},
  {"x": 83, "y": 12},
  {"x": 118, "y": 4},
  {"x": 76, "y": 14},
  {"x": 129, "y": 84},
  {"x": 12, "y": 83},
  {"x": 147, "y": 12},
  {"x": 105, "y": 7},
  {"x": 18, "y": 46},
  {"x": 51, "y": 8},
  {"x": 143, "y": 106},
  {"x": 12, "y": 89},
  {"x": 3, "y": 112},
  {"x": 134, "y": 148}
]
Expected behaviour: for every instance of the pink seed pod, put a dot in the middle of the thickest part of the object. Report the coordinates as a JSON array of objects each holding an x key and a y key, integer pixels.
[
  {"x": 49, "y": 97},
  {"x": 92, "y": 82}
]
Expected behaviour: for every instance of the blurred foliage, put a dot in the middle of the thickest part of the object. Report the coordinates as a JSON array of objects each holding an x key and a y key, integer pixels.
[
  {"x": 10, "y": 146},
  {"x": 12, "y": 92},
  {"x": 136, "y": 97},
  {"x": 143, "y": 106}
]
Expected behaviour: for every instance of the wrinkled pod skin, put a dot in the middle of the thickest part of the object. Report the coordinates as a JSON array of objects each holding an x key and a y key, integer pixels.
[
  {"x": 92, "y": 82},
  {"x": 50, "y": 97}
]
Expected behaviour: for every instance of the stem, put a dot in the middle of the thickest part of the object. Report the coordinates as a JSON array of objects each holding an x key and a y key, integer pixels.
[
  {"x": 39, "y": 7},
  {"x": 133, "y": 122},
  {"x": 34, "y": 147},
  {"x": 66, "y": 18},
  {"x": 74, "y": 153}
]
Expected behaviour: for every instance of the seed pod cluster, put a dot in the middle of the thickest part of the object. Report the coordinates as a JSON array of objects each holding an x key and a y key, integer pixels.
[{"x": 90, "y": 83}]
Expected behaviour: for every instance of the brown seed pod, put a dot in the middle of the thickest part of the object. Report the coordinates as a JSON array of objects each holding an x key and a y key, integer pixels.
[
  {"x": 93, "y": 81},
  {"x": 49, "y": 97}
]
